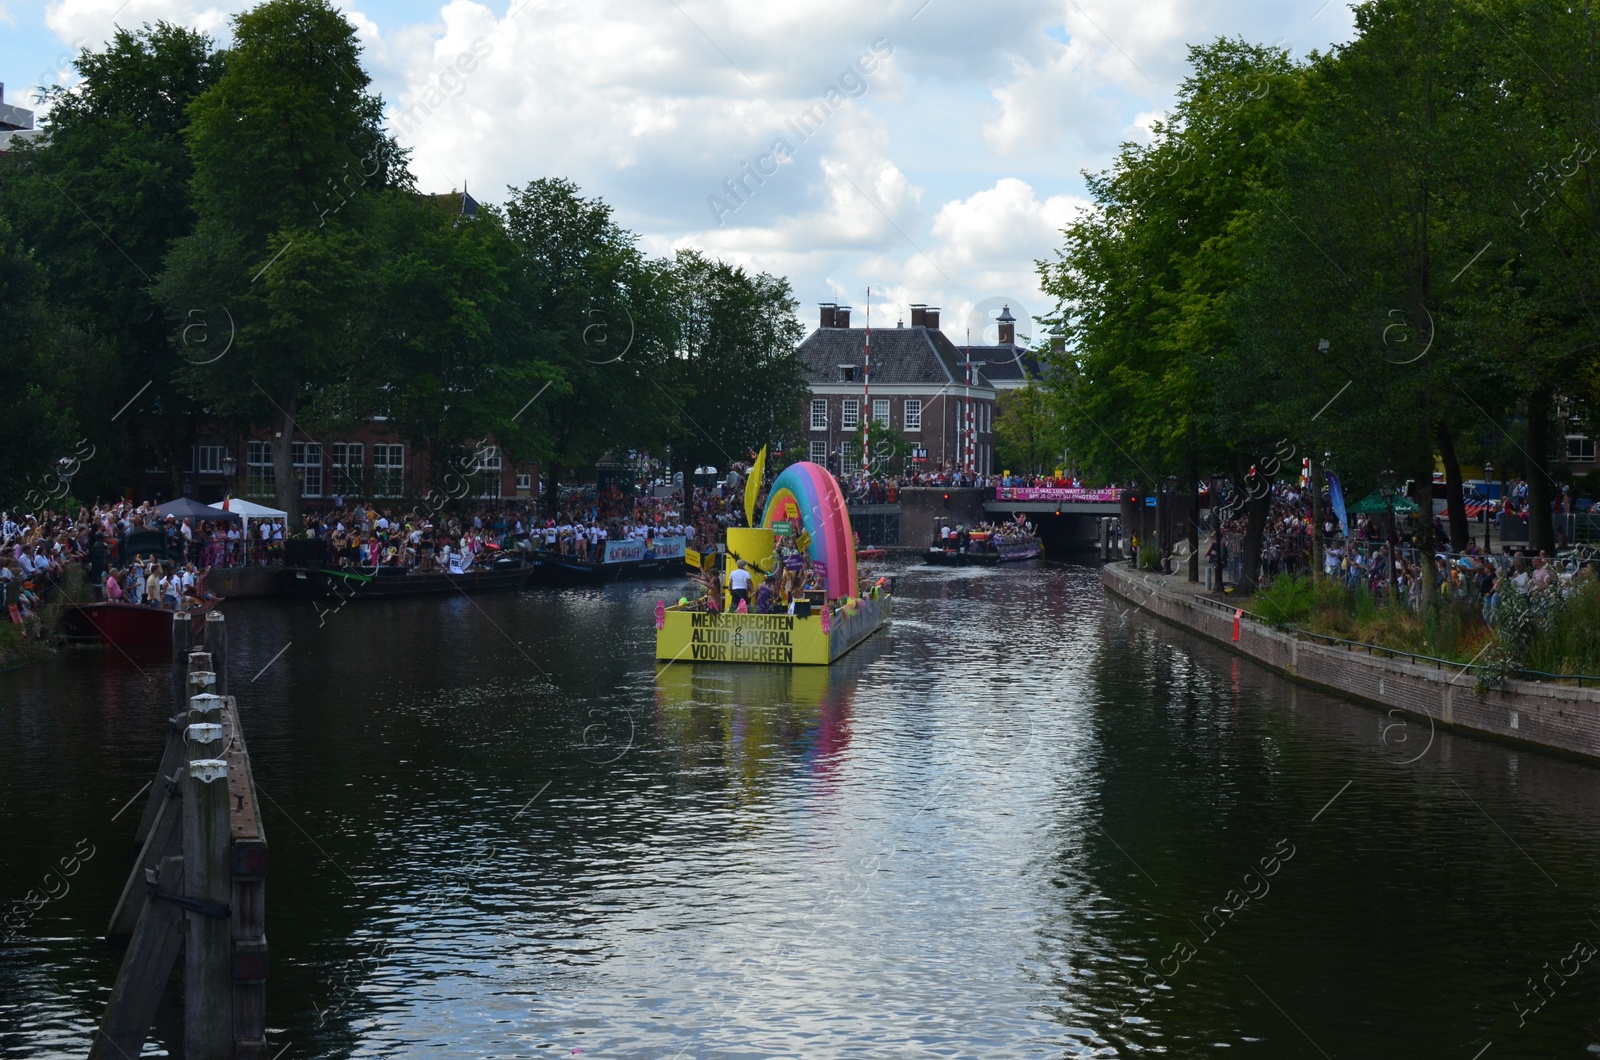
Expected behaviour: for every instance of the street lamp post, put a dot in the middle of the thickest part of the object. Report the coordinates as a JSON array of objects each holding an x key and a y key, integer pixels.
[
  {"x": 1488, "y": 509},
  {"x": 1386, "y": 480}
]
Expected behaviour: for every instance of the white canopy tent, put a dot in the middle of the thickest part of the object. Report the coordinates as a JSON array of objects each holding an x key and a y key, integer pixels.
[{"x": 248, "y": 510}]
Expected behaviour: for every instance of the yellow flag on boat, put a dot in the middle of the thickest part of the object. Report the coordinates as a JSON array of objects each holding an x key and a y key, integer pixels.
[
  {"x": 752, "y": 486},
  {"x": 692, "y": 558}
]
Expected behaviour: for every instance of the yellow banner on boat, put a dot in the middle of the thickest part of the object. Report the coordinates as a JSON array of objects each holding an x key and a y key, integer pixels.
[
  {"x": 752, "y": 486},
  {"x": 692, "y": 558}
]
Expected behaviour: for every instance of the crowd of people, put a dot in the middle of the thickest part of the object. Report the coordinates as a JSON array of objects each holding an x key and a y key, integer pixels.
[{"x": 1367, "y": 558}]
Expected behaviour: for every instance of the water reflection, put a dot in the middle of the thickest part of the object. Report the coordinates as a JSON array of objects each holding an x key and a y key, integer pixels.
[{"x": 1008, "y": 826}]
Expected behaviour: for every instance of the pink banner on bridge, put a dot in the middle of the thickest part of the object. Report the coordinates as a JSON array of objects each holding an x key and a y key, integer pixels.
[{"x": 1055, "y": 494}]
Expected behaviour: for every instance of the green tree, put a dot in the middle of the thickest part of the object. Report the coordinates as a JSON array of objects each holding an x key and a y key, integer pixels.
[
  {"x": 102, "y": 198},
  {"x": 1028, "y": 430},
  {"x": 289, "y": 160},
  {"x": 736, "y": 358},
  {"x": 595, "y": 309}
]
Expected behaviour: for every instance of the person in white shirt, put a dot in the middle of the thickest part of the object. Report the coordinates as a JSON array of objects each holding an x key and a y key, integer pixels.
[{"x": 739, "y": 584}]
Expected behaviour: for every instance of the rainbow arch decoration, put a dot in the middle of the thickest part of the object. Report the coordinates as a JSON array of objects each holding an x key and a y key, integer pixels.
[{"x": 809, "y": 497}]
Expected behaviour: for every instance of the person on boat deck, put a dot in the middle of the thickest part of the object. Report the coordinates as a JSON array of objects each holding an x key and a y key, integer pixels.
[
  {"x": 459, "y": 561},
  {"x": 739, "y": 584},
  {"x": 152, "y": 586},
  {"x": 764, "y": 598},
  {"x": 113, "y": 587}
]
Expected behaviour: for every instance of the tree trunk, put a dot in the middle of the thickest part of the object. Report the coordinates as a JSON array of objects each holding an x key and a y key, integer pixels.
[
  {"x": 1250, "y": 569},
  {"x": 288, "y": 492},
  {"x": 552, "y": 489},
  {"x": 1315, "y": 558},
  {"x": 1452, "y": 489},
  {"x": 1541, "y": 532},
  {"x": 1194, "y": 509}
]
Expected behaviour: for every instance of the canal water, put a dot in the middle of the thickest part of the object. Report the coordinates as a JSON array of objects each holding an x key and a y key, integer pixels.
[{"x": 1022, "y": 822}]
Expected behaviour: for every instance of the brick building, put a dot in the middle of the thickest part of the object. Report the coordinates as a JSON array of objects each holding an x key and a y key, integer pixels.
[
  {"x": 919, "y": 387},
  {"x": 369, "y": 462}
]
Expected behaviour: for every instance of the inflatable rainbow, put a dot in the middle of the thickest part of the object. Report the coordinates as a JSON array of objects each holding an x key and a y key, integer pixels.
[{"x": 808, "y": 496}]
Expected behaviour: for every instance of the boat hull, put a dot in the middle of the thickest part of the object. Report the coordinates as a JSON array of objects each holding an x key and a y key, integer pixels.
[
  {"x": 328, "y": 583},
  {"x": 568, "y": 570},
  {"x": 133, "y": 628},
  {"x": 779, "y": 640}
]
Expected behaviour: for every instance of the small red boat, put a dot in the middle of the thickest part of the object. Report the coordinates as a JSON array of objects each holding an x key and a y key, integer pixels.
[
  {"x": 871, "y": 555},
  {"x": 134, "y": 628}
]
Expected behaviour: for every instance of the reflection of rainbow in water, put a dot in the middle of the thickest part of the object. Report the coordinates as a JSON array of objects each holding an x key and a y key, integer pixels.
[{"x": 761, "y": 715}]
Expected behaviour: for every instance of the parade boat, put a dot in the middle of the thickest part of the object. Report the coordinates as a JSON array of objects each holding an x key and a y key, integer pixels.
[
  {"x": 135, "y": 629},
  {"x": 355, "y": 583},
  {"x": 806, "y": 508},
  {"x": 987, "y": 550},
  {"x": 624, "y": 559}
]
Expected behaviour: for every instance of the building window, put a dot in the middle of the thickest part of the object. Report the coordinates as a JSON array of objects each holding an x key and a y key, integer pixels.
[
  {"x": 850, "y": 414},
  {"x": 486, "y": 463},
  {"x": 819, "y": 414},
  {"x": 260, "y": 479},
  {"x": 349, "y": 469},
  {"x": 880, "y": 411},
  {"x": 819, "y": 453},
  {"x": 525, "y": 480},
  {"x": 913, "y": 415},
  {"x": 208, "y": 459},
  {"x": 1580, "y": 449},
  {"x": 388, "y": 470},
  {"x": 849, "y": 462},
  {"x": 307, "y": 460}
]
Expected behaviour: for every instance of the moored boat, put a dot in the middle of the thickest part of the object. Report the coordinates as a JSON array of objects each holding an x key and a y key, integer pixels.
[
  {"x": 624, "y": 559},
  {"x": 357, "y": 584},
  {"x": 136, "y": 629}
]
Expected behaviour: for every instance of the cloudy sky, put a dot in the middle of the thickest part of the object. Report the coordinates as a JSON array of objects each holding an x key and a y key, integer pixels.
[{"x": 942, "y": 154}]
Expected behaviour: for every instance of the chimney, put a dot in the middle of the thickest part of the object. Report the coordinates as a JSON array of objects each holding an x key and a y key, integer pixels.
[
  {"x": 841, "y": 317},
  {"x": 1058, "y": 340},
  {"x": 829, "y": 311},
  {"x": 931, "y": 315},
  {"x": 919, "y": 315},
  {"x": 1008, "y": 327}
]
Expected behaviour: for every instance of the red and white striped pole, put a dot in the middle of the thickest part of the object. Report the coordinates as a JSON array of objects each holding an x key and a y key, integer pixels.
[
  {"x": 967, "y": 437},
  {"x": 866, "y": 396}
]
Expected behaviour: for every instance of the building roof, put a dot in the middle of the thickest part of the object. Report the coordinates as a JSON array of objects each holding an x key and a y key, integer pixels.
[
  {"x": 1006, "y": 366},
  {"x": 899, "y": 355}
]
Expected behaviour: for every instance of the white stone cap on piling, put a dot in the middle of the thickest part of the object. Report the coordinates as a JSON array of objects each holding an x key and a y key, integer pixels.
[
  {"x": 205, "y": 770},
  {"x": 207, "y": 702},
  {"x": 202, "y": 678},
  {"x": 203, "y": 732}
]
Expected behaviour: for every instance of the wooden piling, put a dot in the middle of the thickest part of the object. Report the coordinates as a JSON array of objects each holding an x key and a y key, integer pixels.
[
  {"x": 145, "y": 970},
  {"x": 199, "y": 883},
  {"x": 216, "y": 642},
  {"x": 198, "y": 681},
  {"x": 207, "y": 960},
  {"x": 182, "y": 636}
]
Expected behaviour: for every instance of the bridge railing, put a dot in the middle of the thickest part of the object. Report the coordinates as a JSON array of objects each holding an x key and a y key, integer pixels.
[{"x": 1057, "y": 494}]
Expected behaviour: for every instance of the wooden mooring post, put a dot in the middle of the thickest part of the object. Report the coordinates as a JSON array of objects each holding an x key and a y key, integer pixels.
[{"x": 198, "y": 885}]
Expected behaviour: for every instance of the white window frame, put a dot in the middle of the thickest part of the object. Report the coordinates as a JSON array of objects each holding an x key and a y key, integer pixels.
[
  {"x": 819, "y": 414},
  {"x": 880, "y": 412},
  {"x": 388, "y": 469},
  {"x": 912, "y": 414},
  {"x": 208, "y": 459},
  {"x": 849, "y": 463},
  {"x": 349, "y": 460},
  {"x": 524, "y": 480},
  {"x": 306, "y": 457},
  {"x": 261, "y": 478},
  {"x": 818, "y": 453},
  {"x": 850, "y": 414},
  {"x": 1576, "y": 452},
  {"x": 487, "y": 463}
]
